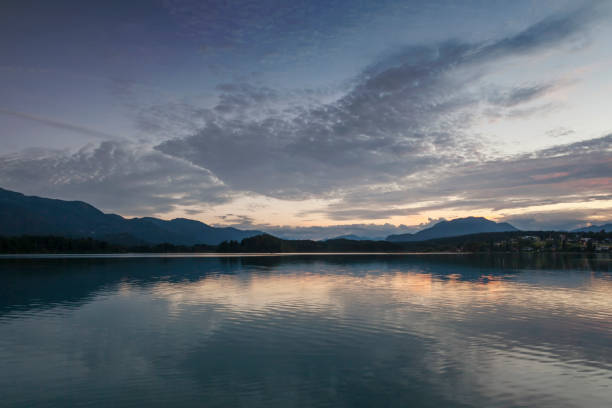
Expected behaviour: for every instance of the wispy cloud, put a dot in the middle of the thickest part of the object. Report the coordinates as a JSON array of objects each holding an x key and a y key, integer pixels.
[
  {"x": 520, "y": 95},
  {"x": 561, "y": 174},
  {"x": 116, "y": 176},
  {"x": 58, "y": 124},
  {"x": 396, "y": 138},
  {"x": 405, "y": 114}
]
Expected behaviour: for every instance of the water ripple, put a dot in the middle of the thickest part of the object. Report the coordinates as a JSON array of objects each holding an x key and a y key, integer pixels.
[{"x": 316, "y": 332}]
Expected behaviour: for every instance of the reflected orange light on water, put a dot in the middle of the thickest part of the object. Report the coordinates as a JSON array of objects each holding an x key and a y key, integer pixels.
[{"x": 332, "y": 293}]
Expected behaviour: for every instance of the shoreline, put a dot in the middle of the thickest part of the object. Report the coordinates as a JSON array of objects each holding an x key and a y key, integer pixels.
[
  {"x": 210, "y": 254},
  {"x": 133, "y": 255}
]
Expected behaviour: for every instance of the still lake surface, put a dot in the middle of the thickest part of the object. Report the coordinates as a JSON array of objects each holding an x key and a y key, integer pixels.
[{"x": 307, "y": 331}]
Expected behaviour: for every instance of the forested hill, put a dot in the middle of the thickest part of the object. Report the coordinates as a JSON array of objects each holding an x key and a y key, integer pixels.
[
  {"x": 513, "y": 241},
  {"x": 30, "y": 215}
]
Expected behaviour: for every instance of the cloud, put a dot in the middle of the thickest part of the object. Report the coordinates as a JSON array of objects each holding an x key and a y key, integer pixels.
[
  {"x": 238, "y": 221},
  {"x": 546, "y": 33},
  {"x": 372, "y": 231},
  {"x": 115, "y": 176},
  {"x": 560, "y": 132},
  {"x": 394, "y": 140},
  {"x": 512, "y": 97},
  {"x": 569, "y": 173},
  {"x": 405, "y": 114},
  {"x": 518, "y": 102},
  {"x": 519, "y": 95},
  {"x": 560, "y": 220},
  {"x": 58, "y": 124}
]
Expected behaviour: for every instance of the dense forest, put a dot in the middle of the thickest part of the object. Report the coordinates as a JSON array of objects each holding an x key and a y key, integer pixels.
[
  {"x": 514, "y": 241},
  {"x": 56, "y": 244}
]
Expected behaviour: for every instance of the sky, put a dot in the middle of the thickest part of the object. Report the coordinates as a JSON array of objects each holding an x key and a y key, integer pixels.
[{"x": 312, "y": 118}]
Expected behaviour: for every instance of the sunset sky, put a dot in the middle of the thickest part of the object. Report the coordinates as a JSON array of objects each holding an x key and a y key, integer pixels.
[{"x": 385, "y": 115}]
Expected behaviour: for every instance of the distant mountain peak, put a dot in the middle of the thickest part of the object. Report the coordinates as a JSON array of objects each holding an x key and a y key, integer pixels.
[
  {"x": 595, "y": 228},
  {"x": 455, "y": 227}
]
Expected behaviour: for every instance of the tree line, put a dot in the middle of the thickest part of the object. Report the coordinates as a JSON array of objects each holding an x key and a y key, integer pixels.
[{"x": 515, "y": 241}]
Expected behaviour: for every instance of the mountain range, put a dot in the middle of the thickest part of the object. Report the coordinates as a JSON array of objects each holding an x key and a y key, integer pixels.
[
  {"x": 595, "y": 228},
  {"x": 456, "y": 227},
  {"x": 30, "y": 215}
]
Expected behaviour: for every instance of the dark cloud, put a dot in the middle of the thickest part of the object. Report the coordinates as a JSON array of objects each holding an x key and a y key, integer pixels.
[
  {"x": 406, "y": 113},
  {"x": 601, "y": 145},
  {"x": 113, "y": 176},
  {"x": 238, "y": 221},
  {"x": 576, "y": 172},
  {"x": 394, "y": 140}
]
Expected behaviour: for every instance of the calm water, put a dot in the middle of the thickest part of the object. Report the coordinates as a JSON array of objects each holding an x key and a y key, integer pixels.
[{"x": 307, "y": 331}]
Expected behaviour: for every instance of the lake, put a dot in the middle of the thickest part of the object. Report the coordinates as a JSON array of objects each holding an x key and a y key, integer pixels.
[{"x": 307, "y": 331}]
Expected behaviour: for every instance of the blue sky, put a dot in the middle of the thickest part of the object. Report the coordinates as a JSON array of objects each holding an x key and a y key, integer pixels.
[{"x": 290, "y": 115}]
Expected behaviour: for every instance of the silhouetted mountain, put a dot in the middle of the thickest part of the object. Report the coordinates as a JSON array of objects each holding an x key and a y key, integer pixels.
[
  {"x": 272, "y": 244},
  {"x": 354, "y": 237},
  {"x": 595, "y": 228},
  {"x": 28, "y": 215},
  {"x": 453, "y": 228}
]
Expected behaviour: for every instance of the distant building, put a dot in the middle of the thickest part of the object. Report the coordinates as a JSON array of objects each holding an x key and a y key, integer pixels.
[{"x": 531, "y": 238}]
